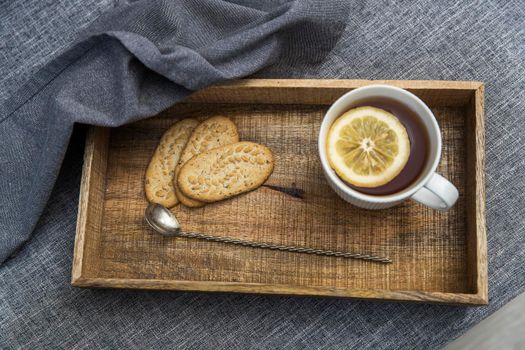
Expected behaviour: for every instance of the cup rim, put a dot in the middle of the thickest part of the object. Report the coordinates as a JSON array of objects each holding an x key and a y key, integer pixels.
[{"x": 398, "y": 196}]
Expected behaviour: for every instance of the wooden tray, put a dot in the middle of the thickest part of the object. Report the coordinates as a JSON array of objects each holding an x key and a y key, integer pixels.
[{"x": 438, "y": 257}]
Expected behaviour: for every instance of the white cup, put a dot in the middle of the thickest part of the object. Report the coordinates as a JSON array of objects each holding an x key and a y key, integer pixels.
[{"x": 431, "y": 189}]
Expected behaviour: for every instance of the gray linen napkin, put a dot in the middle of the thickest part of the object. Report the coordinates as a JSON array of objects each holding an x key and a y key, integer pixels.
[{"x": 132, "y": 63}]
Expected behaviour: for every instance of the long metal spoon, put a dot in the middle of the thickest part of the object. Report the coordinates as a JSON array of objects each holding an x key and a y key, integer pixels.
[{"x": 162, "y": 220}]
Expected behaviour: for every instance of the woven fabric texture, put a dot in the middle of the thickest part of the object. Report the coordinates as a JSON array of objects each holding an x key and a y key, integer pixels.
[{"x": 468, "y": 40}]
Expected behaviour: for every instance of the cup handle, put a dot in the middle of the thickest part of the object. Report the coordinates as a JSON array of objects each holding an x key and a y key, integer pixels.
[{"x": 438, "y": 193}]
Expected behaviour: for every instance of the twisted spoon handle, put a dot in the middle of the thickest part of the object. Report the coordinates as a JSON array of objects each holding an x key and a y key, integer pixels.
[{"x": 284, "y": 247}]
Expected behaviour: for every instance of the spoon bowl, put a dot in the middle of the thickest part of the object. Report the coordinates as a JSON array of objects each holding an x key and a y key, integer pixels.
[{"x": 162, "y": 220}]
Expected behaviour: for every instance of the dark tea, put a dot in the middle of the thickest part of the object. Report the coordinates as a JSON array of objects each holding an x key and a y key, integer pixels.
[{"x": 419, "y": 147}]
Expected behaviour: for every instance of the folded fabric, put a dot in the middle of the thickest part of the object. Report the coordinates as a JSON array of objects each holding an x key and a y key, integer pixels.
[{"x": 132, "y": 63}]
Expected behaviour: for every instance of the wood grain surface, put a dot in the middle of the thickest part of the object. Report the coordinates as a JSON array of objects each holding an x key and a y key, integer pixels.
[{"x": 437, "y": 256}]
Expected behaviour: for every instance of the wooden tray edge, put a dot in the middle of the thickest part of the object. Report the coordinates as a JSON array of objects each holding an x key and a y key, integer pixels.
[
  {"x": 88, "y": 192},
  {"x": 481, "y": 234},
  {"x": 85, "y": 182},
  {"x": 349, "y": 83},
  {"x": 260, "y": 288},
  {"x": 308, "y": 91}
]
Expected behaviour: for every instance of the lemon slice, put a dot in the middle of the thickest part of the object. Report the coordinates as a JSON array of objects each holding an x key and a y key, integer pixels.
[{"x": 367, "y": 146}]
